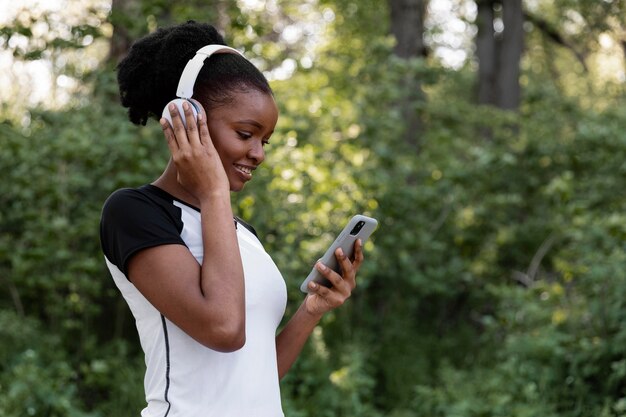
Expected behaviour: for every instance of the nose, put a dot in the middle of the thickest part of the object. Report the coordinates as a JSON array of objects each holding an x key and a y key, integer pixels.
[{"x": 256, "y": 151}]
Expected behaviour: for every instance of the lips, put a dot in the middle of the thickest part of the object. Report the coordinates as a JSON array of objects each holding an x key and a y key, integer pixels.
[{"x": 245, "y": 170}]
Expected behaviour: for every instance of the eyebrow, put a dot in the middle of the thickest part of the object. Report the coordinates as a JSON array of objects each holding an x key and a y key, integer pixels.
[
  {"x": 251, "y": 122},
  {"x": 254, "y": 123}
]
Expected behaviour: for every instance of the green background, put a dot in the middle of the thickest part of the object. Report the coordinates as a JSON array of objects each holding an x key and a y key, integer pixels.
[{"x": 494, "y": 286}]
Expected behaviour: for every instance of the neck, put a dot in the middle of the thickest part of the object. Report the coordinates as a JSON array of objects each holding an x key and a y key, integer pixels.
[{"x": 168, "y": 182}]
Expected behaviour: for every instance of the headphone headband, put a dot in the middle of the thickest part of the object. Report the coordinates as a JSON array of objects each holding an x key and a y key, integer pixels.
[{"x": 190, "y": 73}]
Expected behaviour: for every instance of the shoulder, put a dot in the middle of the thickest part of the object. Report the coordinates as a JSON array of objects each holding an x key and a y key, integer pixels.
[
  {"x": 138, "y": 203},
  {"x": 136, "y": 218},
  {"x": 128, "y": 197},
  {"x": 123, "y": 199}
]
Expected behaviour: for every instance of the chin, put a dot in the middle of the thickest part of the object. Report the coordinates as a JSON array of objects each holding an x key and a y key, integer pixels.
[{"x": 236, "y": 187}]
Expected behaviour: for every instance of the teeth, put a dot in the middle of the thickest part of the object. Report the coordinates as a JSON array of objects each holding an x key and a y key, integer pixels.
[{"x": 244, "y": 169}]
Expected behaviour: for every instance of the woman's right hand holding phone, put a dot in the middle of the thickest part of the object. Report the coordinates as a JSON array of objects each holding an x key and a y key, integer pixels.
[{"x": 200, "y": 170}]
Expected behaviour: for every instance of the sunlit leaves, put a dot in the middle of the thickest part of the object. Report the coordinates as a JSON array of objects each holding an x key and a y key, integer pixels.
[{"x": 494, "y": 286}]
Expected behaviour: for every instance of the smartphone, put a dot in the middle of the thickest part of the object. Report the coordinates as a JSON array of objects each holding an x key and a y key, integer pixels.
[{"x": 359, "y": 227}]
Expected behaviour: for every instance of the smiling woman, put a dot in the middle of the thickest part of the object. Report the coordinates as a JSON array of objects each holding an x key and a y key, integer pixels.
[
  {"x": 253, "y": 124},
  {"x": 206, "y": 297}
]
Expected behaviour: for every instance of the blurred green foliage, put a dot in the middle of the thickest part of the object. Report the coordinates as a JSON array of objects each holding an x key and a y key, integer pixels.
[{"x": 495, "y": 285}]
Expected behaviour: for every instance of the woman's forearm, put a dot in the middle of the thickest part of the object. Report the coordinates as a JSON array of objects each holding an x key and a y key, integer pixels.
[
  {"x": 222, "y": 280},
  {"x": 291, "y": 340}
]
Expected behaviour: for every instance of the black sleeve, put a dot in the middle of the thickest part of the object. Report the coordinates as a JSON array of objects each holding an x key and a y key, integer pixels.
[{"x": 132, "y": 220}]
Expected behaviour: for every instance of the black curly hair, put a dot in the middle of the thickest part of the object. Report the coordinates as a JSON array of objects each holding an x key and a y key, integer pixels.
[{"x": 148, "y": 76}]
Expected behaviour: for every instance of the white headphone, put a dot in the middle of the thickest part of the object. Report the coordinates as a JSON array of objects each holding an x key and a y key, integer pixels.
[{"x": 188, "y": 79}]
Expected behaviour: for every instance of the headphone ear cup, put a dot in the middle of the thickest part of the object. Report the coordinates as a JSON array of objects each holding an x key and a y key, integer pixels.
[{"x": 179, "y": 105}]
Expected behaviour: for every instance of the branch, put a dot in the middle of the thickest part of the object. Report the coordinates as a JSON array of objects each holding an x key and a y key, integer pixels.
[
  {"x": 555, "y": 36},
  {"x": 528, "y": 279},
  {"x": 15, "y": 296}
]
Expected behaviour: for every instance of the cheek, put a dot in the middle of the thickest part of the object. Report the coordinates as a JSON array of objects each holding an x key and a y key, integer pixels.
[
  {"x": 227, "y": 144},
  {"x": 219, "y": 142},
  {"x": 229, "y": 150}
]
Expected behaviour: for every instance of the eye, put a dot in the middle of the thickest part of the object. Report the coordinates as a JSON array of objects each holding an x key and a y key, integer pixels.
[
  {"x": 244, "y": 135},
  {"x": 265, "y": 142}
]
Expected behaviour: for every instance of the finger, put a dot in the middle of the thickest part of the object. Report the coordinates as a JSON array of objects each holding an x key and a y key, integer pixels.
[
  {"x": 178, "y": 127},
  {"x": 169, "y": 135},
  {"x": 192, "y": 126},
  {"x": 358, "y": 255},
  {"x": 330, "y": 297},
  {"x": 338, "y": 282},
  {"x": 203, "y": 127},
  {"x": 198, "y": 107},
  {"x": 347, "y": 269},
  {"x": 318, "y": 289},
  {"x": 321, "y": 291}
]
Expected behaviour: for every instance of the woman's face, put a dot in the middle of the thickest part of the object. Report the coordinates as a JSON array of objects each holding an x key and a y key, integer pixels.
[{"x": 239, "y": 131}]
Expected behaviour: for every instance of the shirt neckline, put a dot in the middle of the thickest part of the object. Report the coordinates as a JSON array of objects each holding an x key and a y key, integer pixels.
[
  {"x": 160, "y": 191},
  {"x": 165, "y": 194}
]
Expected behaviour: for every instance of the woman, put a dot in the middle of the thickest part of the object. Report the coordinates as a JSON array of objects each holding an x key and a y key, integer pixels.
[{"x": 206, "y": 297}]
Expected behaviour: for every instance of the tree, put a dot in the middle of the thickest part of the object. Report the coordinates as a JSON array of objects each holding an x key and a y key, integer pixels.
[
  {"x": 407, "y": 26},
  {"x": 440, "y": 324},
  {"x": 499, "y": 46},
  {"x": 121, "y": 39}
]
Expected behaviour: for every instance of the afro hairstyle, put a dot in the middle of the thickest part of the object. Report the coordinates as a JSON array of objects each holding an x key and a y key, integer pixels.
[{"x": 148, "y": 76}]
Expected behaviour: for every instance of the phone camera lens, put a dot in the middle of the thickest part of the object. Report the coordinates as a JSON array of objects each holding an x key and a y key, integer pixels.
[{"x": 357, "y": 228}]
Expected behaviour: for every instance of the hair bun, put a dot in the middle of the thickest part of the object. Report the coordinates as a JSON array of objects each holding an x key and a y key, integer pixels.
[{"x": 148, "y": 75}]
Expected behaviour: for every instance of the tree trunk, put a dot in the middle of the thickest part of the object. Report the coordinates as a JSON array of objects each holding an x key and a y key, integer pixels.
[
  {"x": 130, "y": 22},
  {"x": 121, "y": 40},
  {"x": 511, "y": 47},
  {"x": 407, "y": 26},
  {"x": 499, "y": 54},
  {"x": 486, "y": 52}
]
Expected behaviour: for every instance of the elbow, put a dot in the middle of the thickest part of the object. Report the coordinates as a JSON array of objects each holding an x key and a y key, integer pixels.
[
  {"x": 227, "y": 338},
  {"x": 232, "y": 343}
]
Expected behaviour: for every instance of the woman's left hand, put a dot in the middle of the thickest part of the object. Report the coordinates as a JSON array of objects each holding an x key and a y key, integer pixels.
[{"x": 322, "y": 299}]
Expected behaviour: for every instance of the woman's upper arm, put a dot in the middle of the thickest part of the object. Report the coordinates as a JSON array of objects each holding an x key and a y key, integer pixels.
[
  {"x": 169, "y": 277},
  {"x": 140, "y": 234}
]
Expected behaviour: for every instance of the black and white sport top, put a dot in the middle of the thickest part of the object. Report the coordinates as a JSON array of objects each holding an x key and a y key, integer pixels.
[{"x": 184, "y": 378}]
